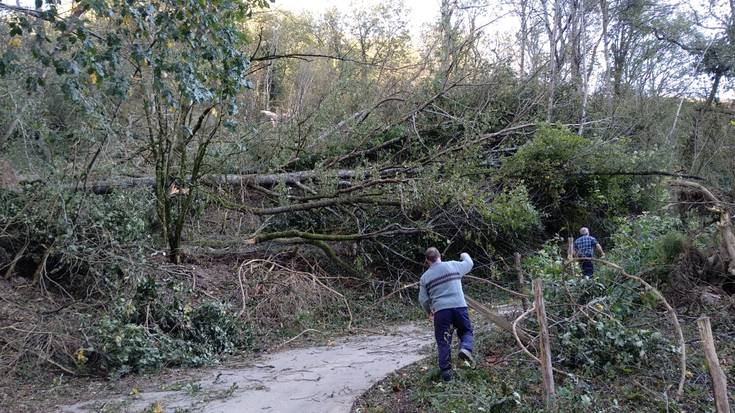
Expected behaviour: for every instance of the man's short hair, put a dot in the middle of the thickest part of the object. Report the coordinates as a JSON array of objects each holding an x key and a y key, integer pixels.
[
  {"x": 432, "y": 254},
  {"x": 584, "y": 231}
]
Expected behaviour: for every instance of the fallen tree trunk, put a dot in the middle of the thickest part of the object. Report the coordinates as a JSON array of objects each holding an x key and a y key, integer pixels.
[{"x": 344, "y": 176}]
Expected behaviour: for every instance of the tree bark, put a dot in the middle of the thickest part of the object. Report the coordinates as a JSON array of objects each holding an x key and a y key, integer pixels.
[
  {"x": 605, "y": 12},
  {"x": 713, "y": 91},
  {"x": 344, "y": 176}
]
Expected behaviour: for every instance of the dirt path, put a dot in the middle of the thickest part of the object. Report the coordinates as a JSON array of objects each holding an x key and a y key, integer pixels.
[{"x": 318, "y": 379}]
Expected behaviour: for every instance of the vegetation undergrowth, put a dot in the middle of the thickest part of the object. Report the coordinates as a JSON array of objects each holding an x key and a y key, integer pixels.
[{"x": 609, "y": 337}]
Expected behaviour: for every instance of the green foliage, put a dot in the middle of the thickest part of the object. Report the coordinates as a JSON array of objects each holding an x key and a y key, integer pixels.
[
  {"x": 176, "y": 59},
  {"x": 161, "y": 326},
  {"x": 559, "y": 167},
  {"x": 546, "y": 263},
  {"x": 603, "y": 345},
  {"x": 600, "y": 340},
  {"x": 89, "y": 237},
  {"x": 647, "y": 241},
  {"x": 192, "y": 42},
  {"x": 513, "y": 212},
  {"x": 75, "y": 219},
  {"x": 546, "y": 160}
]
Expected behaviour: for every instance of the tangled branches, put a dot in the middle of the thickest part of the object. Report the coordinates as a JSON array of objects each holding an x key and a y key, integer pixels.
[
  {"x": 578, "y": 305},
  {"x": 272, "y": 293}
]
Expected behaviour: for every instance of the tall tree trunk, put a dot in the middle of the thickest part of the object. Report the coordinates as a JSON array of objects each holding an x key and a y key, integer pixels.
[
  {"x": 554, "y": 58},
  {"x": 524, "y": 36},
  {"x": 713, "y": 91},
  {"x": 588, "y": 68},
  {"x": 576, "y": 42},
  {"x": 604, "y": 11},
  {"x": 447, "y": 10}
]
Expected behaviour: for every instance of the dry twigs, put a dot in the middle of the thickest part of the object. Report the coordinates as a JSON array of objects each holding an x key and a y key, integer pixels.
[{"x": 260, "y": 270}]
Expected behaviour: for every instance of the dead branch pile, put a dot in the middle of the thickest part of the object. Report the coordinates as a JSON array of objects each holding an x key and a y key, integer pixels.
[
  {"x": 275, "y": 295},
  {"x": 36, "y": 331}
]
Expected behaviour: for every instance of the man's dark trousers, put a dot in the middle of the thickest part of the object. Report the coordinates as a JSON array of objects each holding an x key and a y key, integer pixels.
[
  {"x": 443, "y": 321},
  {"x": 587, "y": 268}
]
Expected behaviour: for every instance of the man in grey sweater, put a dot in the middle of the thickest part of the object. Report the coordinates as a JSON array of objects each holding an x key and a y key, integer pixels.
[{"x": 442, "y": 298}]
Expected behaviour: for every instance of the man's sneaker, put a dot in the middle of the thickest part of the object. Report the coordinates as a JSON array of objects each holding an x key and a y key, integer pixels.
[
  {"x": 446, "y": 376},
  {"x": 466, "y": 356}
]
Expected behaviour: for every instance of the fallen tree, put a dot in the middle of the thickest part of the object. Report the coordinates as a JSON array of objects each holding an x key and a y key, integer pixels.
[{"x": 344, "y": 177}]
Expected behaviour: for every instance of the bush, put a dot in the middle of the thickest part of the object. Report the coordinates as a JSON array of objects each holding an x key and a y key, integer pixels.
[
  {"x": 88, "y": 236},
  {"x": 648, "y": 242},
  {"x": 592, "y": 317},
  {"x": 555, "y": 166},
  {"x": 163, "y": 327},
  {"x": 512, "y": 211},
  {"x": 604, "y": 345}
]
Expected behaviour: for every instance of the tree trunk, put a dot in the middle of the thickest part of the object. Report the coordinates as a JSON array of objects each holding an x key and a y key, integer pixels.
[
  {"x": 713, "y": 91},
  {"x": 447, "y": 9},
  {"x": 345, "y": 177},
  {"x": 555, "y": 59},
  {"x": 604, "y": 11},
  {"x": 524, "y": 36}
]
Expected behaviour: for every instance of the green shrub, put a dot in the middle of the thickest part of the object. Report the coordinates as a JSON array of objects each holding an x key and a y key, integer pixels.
[
  {"x": 669, "y": 246},
  {"x": 648, "y": 242},
  {"x": 162, "y": 326},
  {"x": 89, "y": 236},
  {"x": 602, "y": 345},
  {"x": 512, "y": 211},
  {"x": 557, "y": 166},
  {"x": 127, "y": 347},
  {"x": 592, "y": 333}
]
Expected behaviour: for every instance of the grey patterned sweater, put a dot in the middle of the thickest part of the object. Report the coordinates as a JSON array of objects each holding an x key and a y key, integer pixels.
[{"x": 441, "y": 284}]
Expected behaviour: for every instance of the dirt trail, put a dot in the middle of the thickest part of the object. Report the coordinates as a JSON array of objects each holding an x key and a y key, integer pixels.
[{"x": 318, "y": 379}]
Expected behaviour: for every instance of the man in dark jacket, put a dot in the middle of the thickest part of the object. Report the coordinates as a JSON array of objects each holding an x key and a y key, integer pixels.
[{"x": 584, "y": 247}]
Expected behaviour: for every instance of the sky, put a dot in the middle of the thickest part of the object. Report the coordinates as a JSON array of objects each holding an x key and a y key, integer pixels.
[{"x": 421, "y": 11}]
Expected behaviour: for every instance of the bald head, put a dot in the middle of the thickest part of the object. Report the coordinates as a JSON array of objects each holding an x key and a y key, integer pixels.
[
  {"x": 584, "y": 231},
  {"x": 432, "y": 255}
]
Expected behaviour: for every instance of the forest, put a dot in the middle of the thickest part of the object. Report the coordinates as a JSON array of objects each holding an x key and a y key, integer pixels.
[{"x": 184, "y": 183}]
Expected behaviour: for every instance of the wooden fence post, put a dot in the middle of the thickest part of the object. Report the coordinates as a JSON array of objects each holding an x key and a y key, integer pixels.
[
  {"x": 719, "y": 380},
  {"x": 521, "y": 281},
  {"x": 546, "y": 371},
  {"x": 570, "y": 254}
]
